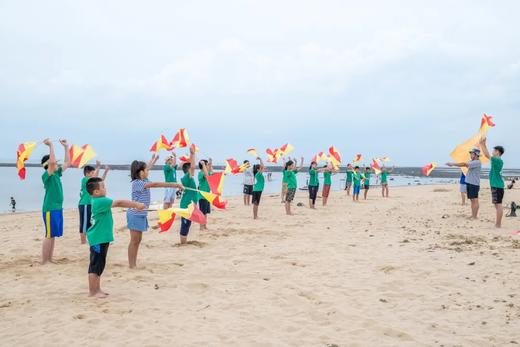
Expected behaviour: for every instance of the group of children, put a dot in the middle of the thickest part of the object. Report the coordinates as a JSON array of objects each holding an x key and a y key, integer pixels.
[{"x": 95, "y": 215}]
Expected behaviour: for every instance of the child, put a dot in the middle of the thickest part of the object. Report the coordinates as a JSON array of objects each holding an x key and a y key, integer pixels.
[
  {"x": 284, "y": 182},
  {"x": 463, "y": 189},
  {"x": 249, "y": 180},
  {"x": 13, "y": 205},
  {"x": 495, "y": 178},
  {"x": 100, "y": 234},
  {"x": 368, "y": 171},
  {"x": 258, "y": 188},
  {"x": 137, "y": 221},
  {"x": 53, "y": 201},
  {"x": 170, "y": 176},
  {"x": 314, "y": 184},
  {"x": 356, "y": 178},
  {"x": 292, "y": 184},
  {"x": 188, "y": 195},
  {"x": 348, "y": 183},
  {"x": 206, "y": 168},
  {"x": 327, "y": 182},
  {"x": 85, "y": 201},
  {"x": 384, "y": 181}
]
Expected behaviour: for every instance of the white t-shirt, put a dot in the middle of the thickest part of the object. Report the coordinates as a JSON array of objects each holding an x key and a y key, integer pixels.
[{"x": 249, "y": 178}]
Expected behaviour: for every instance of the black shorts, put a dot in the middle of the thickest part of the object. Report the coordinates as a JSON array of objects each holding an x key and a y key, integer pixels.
[
  {"x": 248, "y": 189},
  {"x": 185, "y": 226},
  {"x": 85, "y": 212},
  {"x": 497, "y": 195},
  {"x": 473, "y": 191},
  {"x": 98, "y": 258},
  {"x": 256, "y": 198},
  {"x": 313, "y": 192},
  {"x": 291, "y": 192},
  {"x": 205, "y": 206},
  {"x": 367, "y": 187}
]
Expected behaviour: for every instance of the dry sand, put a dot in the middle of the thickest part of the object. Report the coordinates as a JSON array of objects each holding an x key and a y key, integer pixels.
[{"x": 410, "y": 270}]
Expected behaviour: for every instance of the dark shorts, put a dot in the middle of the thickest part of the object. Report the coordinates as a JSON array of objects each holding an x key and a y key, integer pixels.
[
  {"x": 473, "y": 191},
  {"x": 53, "y": 221},
  {"x": 248, "y": 189},
  {"x": 348, "y": 184},
  {"x": 98, "y": 258},
  {"x": 205, "y": 206},
  {"x": 497, "y": 195},
  {"x": 313, "y": 192},
  {"x": 326, "y": 190},
  {"x": 256, "y": 198},
  {"x": 291, "y": 192},
  {"x": 185, "y": 226},
  {"x": 85, "y": 212},
  {"x": 367, "y": 187}
]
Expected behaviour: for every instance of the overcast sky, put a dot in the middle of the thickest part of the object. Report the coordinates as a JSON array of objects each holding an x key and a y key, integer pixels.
[{"x": 407, "y": 79}]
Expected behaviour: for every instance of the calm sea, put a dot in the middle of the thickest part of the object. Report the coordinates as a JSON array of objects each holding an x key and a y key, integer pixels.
[{"x": 29, "y": 193}]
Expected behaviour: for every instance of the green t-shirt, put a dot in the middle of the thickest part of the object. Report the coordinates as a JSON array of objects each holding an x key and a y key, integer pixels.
[
  {"x": 53, "y": 199},
  {"x": 356, "y": 177},
  {"x": 284, "y": 176},
  {"x": 367, "y": 179},
  {"x": 291, "y": 179},
  {"x": 203, "y": 183},
  {"x": 259, "y": 182},
  {"x": 313, "y": 180},
  {"x": 188, "y": 195},
  {"x": 84, "y": 196},
  {"x": 327, "y": 178},
  {"x": 170, "y": 173},
  {"x": 102, "y": 224},
  {"x": 495, "y": 175},
  {"x": 384, "y": 177},
  {"x": 349, "y": 176}
]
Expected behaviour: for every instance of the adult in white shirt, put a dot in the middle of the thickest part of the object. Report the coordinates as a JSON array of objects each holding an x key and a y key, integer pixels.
[{"x": 249, "y": 181}]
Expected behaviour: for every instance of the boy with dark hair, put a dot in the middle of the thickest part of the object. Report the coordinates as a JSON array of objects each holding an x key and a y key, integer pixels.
[
  {"x": 188, "y": 195},
  {"x": 495, "y": 178},
  {"x": 348, "y": 179},
  {"x": 170, "y": 176},
  {"x": 85, "y": 201},
  {"x": 101, "y": 232},
  {"x": 206, "y": 169},
  {"x": 366, "y": 183},
  {"x": 52, "y": 209},
  {"x": 356, "y": 178}
]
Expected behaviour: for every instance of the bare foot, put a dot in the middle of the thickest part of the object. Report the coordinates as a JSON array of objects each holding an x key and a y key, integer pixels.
[
  {"x": 99, "y": 295},
  {"x": 498, "y": 226}
]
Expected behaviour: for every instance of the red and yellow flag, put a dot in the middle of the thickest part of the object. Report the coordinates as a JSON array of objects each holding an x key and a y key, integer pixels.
[
  {"x": 192, "y": 213},
  {"x": 181, "y": 139},
  {"x": 80, "y": 156},
  {"x": 461, "y": 153},
  {"x": 334, "y": 157},
  {"x": 357, "y": 158},
  {"x": 216, "y": 182},
  {"x": 23, "y": 153},
  {"x": 428, "y": 168},
  {"x": 162, "y": 143},
  {"x": 272, "y": 156},
  {"x": 252, "y": 152},
  {"x": 166, "y": 219},
  {"x": 214, "y": 199},
  {"x": 375, "y": 166},
  {"x": 185, "y": 158},
  {"x": 232, "y": 167},
  {"x": 286, "y": 149}
]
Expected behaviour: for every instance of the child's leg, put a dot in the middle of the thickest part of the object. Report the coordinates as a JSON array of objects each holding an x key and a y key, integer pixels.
[
  {"x": 500, "y": 214},
  {"x": 46, "y": 250},
  {"x": 94, "y": 285},
  {"x": 288, "y": 208},
  {"x": 51, "y": 252},
  {"x": 365, "y": 193},
  {"x": 185, "y": 229},
  {"x": 133, "y": 247},
  {"x": 386, "y": 188},
  {"x": 255, "y": 211},
  {"x": 474, "y": 208}
]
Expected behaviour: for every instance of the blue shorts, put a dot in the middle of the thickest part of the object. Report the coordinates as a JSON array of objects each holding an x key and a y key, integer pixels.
[
  {"x": 85, "y": 212},
  {"x": 185, "y": 226},
  {"x": 136, "y": 222},
  {"x": 53, "y": 221},
  {"x": 356, "y": 190},
  {"x": 169, "y": 195}
]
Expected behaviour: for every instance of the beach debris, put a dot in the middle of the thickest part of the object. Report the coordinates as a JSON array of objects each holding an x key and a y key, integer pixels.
[
  {"x": 472, "y": 263},
  {"x": 300, "y": 204},
  {"x": 383, "y": 300},
  {"x": 156, "y": 286}
]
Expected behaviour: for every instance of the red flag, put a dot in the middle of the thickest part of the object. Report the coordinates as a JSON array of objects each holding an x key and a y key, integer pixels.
[
  {"x": 216, "y": 182},
  {"x": 162, "y": 143},
  {"x": 181, "y": 139},
  {"x": 428, "y": 168}
]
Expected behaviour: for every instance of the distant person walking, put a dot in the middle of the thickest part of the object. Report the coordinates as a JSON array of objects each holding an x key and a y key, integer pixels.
[
  {"x": 472, "y": 179},
  {"x": 13, "y": 204}
]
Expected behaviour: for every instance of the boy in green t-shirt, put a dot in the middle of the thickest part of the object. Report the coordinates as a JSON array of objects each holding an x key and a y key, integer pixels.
[
  {"x": 188, "y": 195},
  {"x": 495, "y": 178},
  {"x": 348, "y": 183},
  {"x": 258, "y": 187},
  {"x": 368, "y": 172},
  {"x": 101, "y": 232},
  {"x": 206, "y": 168},
  {"x": 292, "y": 183},
  {"x": 356, "y": 178},
  {"x": 170, "y": 176},
  {"x": 52, "y": 209},
  {"x": 85, "y": 201},
  {"x": 384, "y": 181}
]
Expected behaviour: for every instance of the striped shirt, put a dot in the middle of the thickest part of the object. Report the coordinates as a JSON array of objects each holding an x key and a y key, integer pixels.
[{"x": 140, "y": 194}]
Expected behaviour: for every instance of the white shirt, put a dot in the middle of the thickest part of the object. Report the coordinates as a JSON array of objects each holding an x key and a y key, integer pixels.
[{"x": 249, "y": 178}]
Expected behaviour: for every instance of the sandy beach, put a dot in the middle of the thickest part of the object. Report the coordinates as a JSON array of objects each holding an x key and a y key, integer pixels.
[{"x": 410, "y": 270}]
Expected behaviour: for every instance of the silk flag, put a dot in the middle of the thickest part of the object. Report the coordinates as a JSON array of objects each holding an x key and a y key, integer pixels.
[
  {"x": 428, "y": 168},
  {"x": 162, "y": 143},
  {"x": 272, "y": 155},
  {"x": 214, "y": 199},
  {"x": 181, "y": 139},
  {"x": 185, "y": 158},
  {"x": 80, "y": 156},
  {"x": 231, "y": 164},
  {"x": 461, "y": 153},
  {"x": 216, "y": 182},
  {"x": 166, "y": 219},
  {"x": 192, "y": 213},
  {"x": 375, "y": 166},
  {"x": 252, "y": 152},
  {"x": 335, "y": 157},
  {"x": 357, "y": 158},
  {"x": 286, "y": 149},
  {"x": 23, "y": 153}
]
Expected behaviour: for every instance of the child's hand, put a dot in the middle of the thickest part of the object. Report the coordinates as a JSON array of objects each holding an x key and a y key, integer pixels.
[
  {"x": 139, "y": 206},
  {"x": 483, "y": 141},
  {"x": 47, "y": 142},
  {"x": 192, "y": 149},
  {"x": 448, "y": 164},
  {"x": 98, "y": 163},
  {"x": 64, "y": 142},
  {"x": 107, "y": 168}
]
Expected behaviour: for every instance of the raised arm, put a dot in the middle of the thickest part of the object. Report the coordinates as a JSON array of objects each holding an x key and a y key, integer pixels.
[
  {"x": 107, "y": 168},
  {"x": 484, "y": 148},
  {"x": 98, "y": 167},
  {"x": 192, "y": 161},
  {"x": 152, "y": 161},
  {"x": 204, "y": 168},
  {"x": 174, "y": 159},
  {"x": 52, "y": 165},
  {"x": 66, "y": 160},
  {"x": 301, "y": 164},
  {"x": 262, "y": 163}
]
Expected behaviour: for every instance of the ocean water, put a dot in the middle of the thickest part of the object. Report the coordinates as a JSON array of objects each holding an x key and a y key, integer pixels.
[{"x": 29, "y": 193}]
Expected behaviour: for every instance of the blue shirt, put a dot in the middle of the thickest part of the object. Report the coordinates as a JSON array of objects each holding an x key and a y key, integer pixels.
[
  {"x": 140, "y": 194},
  {"x": 462, "y": 179}
]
